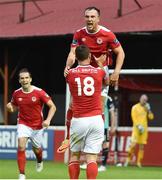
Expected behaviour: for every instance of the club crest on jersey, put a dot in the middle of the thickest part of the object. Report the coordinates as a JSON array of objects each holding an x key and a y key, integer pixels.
[
  {"x": 99, "y": 41},
  {"x": 34, "y": 99},
  {"x": 19, "y": 99}
]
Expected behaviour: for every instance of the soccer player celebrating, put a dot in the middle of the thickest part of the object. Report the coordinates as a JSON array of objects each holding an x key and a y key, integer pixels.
[
  {"x": 101, "y": 42},
  {"x": 140, "y": 113},
  {"x": 87, "y": 126},
  {"x": 29, "y": 101}
]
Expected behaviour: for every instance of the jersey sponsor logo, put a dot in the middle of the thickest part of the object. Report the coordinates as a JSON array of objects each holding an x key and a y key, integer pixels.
[
  {"x": 19, "y": 99},
  {"x": 34, "y": 98},
  {"x": 99, "y": 41}
]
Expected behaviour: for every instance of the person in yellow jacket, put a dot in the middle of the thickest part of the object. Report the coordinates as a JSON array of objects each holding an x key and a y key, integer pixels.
[{"x": 140, "y": 114}]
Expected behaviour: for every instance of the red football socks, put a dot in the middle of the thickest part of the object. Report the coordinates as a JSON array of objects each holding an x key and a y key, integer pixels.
[
  {"x": 74, "y": 169},
  {"x": 21, "y": 161},
  {"x": 92, "y": 170}
]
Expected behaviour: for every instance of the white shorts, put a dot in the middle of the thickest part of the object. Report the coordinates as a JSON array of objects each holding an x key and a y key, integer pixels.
[
  {"x": 87, "y": 134},
  {"x": 34, "y": 135},
  {"x": 105, "y": 89}
]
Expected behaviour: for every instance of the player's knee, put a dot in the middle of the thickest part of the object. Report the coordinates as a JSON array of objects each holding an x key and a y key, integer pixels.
[
  {"x": 75, "y": 156},
  {"x": 21, "y": 147}
]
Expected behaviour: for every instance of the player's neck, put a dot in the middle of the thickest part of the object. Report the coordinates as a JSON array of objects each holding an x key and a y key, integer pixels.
[
  {"x": 27, "y": 89},
  {"x": 95, "y": 30},
  {"x": 84, "y": 63}
]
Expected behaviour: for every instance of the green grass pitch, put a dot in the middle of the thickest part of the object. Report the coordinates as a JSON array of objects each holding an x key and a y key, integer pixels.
[{"x": 52, "y": 170}]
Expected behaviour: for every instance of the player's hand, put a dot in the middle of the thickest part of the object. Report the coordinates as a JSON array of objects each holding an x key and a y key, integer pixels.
[
  {"x": 66, "y": 71},
  {"x": 112, "y": 131},
  {"x": 148, "y": 107},
  {"x": 140, "y": 128},
  {"x": 64, "y": 146},
  {"x": 46, "y": 124},
  {"x": 10, "y": 108},
  {"x": 100, "y": 60},
  {"x": 114, "y": 77}
]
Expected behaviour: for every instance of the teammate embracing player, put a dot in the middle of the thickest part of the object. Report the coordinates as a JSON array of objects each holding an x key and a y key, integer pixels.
[
  {"x": 102, "y": 42},
  {"x": 87, "y": 126}
]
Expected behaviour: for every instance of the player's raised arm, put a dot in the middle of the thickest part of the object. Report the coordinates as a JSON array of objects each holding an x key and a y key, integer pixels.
[
  {"x": 70, "y": 60},
  {"x": 120, "y": 55}
]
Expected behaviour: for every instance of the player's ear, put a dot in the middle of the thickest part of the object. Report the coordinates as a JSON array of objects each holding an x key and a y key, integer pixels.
[
  {"x": 98, "y": 19},
  {"x": 30, "y": 80}
]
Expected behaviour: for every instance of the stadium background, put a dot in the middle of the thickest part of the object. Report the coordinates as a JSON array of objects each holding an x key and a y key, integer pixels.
[
  {"x": 46, "y": 58},
  {"x": 45, "y": 52}
]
